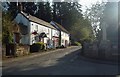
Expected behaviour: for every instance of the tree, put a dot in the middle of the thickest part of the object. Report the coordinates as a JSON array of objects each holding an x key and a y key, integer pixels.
[
  {"x": 13, "y": 9},
  {"x": 29, "y": 7},
  {"x": 41, "y": 11},
  {"x": 95, "y": 15},
  {"x": 68, "y": 14},
  {"x": 6, "y": 26},
  {"x": 83, "y": 30},
  {"x": 44, "y": 11}
]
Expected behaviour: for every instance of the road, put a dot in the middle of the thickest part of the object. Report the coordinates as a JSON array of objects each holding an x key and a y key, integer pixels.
[{"x": 63, "y": 62}]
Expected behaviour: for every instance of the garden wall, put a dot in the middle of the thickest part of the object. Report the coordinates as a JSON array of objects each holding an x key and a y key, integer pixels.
[{"x": 20, "y": 50}]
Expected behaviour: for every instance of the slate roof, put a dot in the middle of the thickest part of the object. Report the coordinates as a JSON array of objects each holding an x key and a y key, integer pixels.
[
  {"x": 37, "y": 20},
  {"x": 59, "y": 26}
]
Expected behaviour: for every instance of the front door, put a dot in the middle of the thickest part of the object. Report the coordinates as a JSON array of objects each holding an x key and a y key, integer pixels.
[
  {"x": 66, "y": 43},
  {"x": 17, "y": 37}
]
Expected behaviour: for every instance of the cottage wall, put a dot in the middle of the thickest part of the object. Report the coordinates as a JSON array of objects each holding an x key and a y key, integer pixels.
[
  {"x": 64, "y": 38},
  {"x": 32, "y": 27},
  {"x": 55, "y": 33},
  {"x": 20, "y": 19},
  {"x": 40, "y": 29},
  {"x": 55, "y": 37}
]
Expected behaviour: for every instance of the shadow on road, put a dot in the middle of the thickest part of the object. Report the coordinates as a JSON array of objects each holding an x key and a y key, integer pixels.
[{"x": 69, "y": 64}]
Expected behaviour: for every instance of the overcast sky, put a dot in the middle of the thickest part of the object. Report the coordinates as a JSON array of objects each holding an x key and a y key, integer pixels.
[{"x": 87, "y": 3}]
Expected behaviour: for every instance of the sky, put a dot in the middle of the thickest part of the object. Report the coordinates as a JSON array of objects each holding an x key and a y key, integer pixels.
[{"x": 87, "y": 3}]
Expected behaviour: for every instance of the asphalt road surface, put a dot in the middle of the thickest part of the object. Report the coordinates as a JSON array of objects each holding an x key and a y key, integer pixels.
[{"x": 62, "y": 62}]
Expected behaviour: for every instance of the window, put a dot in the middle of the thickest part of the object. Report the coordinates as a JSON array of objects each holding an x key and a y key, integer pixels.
[
  {"x": 36, "y": 27},
  {"x": 48, "y": 31}
]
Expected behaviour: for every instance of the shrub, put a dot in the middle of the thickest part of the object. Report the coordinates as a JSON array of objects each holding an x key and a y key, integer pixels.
[
  {"x": 62, "y": 46},
  {"x": 41, "y": 44},
  {"x": 37, "y": 47},
  {"x": 77, "y": 43}
]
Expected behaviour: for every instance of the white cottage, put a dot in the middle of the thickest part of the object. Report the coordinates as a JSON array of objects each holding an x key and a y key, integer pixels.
[
  {"x": 34, "y": 30},
  {"x": 64, "y": 35}
]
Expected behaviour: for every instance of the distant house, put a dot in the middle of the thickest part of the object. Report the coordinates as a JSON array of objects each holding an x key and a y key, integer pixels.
[
  {"x": 34, "y": 30},
  {"x": 64, "y": 35}
]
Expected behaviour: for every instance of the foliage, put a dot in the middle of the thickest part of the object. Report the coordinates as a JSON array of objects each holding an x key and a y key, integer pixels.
[
  {"x": 95, "y": 15},
  {"x": 44, "y": 11},
  {"x": 82, "y": 30},
  {"x": 107, "y": 13},
  {"x": 41, "y": 44},
  {"x": 12, "y": 10},
  {"x": 37, "y": 47},
  {"x": 77, "y": 43},
  {"x": 68, "y": 14},
  {"x": 7, "y": 24}
]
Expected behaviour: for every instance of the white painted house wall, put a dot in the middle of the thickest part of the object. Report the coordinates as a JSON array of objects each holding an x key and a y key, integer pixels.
[
  {"x": 64, "y": 36},
  {"x": 55, "y": 33},
  {"x": 33, "y": 26},
  {"x": 40, "y": 29}
]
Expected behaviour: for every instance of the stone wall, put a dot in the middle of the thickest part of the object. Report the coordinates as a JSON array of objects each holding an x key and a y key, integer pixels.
[
  {"x": 107, "y": 53},
  {"x": 91, "y": 50},
  {"x": 20, "y": 50}
]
